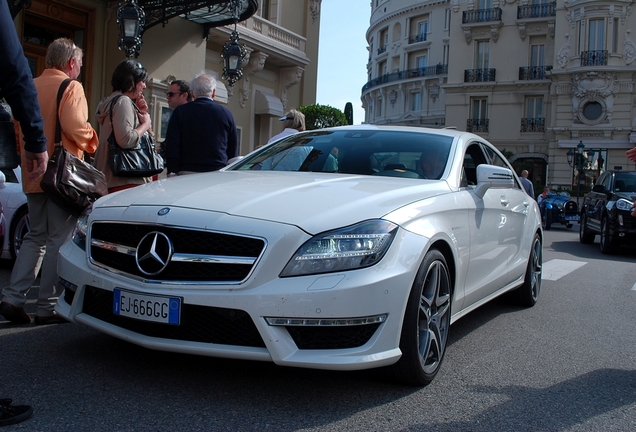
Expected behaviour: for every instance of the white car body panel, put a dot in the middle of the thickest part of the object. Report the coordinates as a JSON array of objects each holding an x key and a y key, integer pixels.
[
  {"x": 486, "y": 232},
  {"x": 12, "y": 198}
]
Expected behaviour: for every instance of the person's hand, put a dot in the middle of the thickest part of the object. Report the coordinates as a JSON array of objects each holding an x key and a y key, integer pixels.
[
  {"x": 144, "y": 118},
  {"x": 36, "y": 164},
  {"x": 631, "y": 154},
  {"x": 142, "y": 104}
]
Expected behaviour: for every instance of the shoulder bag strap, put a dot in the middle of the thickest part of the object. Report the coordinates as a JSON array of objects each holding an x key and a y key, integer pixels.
[
  {"x": 112, "y": 104},
  {"x": 58, "y": 128}
]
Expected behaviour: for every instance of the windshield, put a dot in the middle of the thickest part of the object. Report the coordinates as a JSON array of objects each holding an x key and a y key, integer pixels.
[{"x": 386, "y": 153}]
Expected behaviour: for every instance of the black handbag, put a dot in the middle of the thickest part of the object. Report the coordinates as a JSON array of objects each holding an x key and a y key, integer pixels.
[
  {"x": 140, "y": 161},
  {"x": 70, "y": 182}
]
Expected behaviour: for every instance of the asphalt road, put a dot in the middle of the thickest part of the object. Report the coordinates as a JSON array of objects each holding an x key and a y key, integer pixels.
[{"x": 568, "y": 364}]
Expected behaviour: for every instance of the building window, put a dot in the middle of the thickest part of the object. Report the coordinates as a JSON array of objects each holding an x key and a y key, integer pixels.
[
  {"x": 447, "y": 19},
  {"x": 485, "y": 4},
  {"x": 422, "y": 28},
  {"x": 537, "y": 55},
  {"x": 483, "y": 55},
  {"x": 479, "y": 115},
  {"x": 592, "y": 111},
  {"x": 445, "y": 54},
  {"x": 378, "y": 108},
  {"x": 416, "y": 101},
  {"x": 596, "y": 35},
  {"x": 615, "y": 35},
  {"x": 534, "y": 120},
  {"x": 422, "y": 61}
]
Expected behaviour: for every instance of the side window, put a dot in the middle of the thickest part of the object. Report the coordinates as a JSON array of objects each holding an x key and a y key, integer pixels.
[
  {"x": 497, "y": 160},
  {"x": 473, "y": 157}
]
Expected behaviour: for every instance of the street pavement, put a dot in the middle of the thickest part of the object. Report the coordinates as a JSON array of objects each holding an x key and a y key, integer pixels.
[{"x": 567, "y": 364}]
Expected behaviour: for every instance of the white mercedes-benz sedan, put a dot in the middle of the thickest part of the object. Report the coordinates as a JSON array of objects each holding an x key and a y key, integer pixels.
[{"x": 346, "y": 248}]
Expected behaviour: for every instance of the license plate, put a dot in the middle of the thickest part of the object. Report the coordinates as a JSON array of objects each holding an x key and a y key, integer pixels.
[
  {"x": 571, "y": 218},
  {"x": 147, "y": 307}
]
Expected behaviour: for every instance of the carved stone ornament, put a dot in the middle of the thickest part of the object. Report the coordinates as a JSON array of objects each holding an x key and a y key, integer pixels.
[
  {"x": 289, "y": 77},
  {"x": 314, "y": 9},
  {"x": 598, "y": 87},
  {"x": 563, "y": 56},
  {"x": 392, "y": 97},
  {"x": 629, "y": 49},
  {"x": 455, "y": 5},
  {"x": 255, "y": 64}
]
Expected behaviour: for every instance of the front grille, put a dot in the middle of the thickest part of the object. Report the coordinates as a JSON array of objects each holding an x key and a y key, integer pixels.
[
  {"x": 198, "y": 323},
  {"x": 333, "y": 337},
  {"x": 570, "y": 208},
  {"x": 184, "y": 241}
]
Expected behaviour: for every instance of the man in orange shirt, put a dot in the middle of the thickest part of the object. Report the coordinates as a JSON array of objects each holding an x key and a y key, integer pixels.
[{"x": 50, "y": 224}]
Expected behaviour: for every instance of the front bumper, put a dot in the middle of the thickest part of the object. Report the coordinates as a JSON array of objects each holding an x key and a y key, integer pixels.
[{"x": 230, "y": 320}]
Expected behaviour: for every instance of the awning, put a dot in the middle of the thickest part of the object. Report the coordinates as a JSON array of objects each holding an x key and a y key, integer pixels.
[
  {"x": 268, "y": 104},
  {"x": 221, "y": 93}
]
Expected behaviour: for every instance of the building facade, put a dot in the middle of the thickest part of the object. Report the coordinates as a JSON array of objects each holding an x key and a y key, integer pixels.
[
  {"x": 279, "y": 71},
  {"x": 539, "y": 79}
]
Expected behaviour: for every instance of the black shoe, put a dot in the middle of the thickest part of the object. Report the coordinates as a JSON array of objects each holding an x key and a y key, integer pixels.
[
  {"x": 12, "y": 414},
  {"x": 52, "y": 319},
  {"x": 14, "y": 314}
]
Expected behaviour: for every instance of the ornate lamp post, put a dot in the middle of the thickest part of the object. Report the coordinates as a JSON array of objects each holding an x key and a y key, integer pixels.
[
  {"x": 233, "y": 53},
  {"x": 576, "y": 159},
  {"x": 130, "y": 19}
]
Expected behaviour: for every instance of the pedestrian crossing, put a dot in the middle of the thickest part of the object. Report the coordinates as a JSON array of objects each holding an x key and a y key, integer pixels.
[{"x": 555, "y": 269}]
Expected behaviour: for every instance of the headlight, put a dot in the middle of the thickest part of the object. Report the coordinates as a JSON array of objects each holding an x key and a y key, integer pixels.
[
  {"x": 350, "y": 248},
  {"x": 81, "y": 228},
  {"x": 623, "y": 204}
]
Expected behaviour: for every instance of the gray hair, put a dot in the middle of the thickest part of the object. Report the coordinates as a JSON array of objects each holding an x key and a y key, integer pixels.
[{"x": 203, "y": 85}]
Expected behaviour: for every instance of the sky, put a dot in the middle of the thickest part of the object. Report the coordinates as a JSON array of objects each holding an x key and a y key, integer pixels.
[{"x": 342, "y": 54}]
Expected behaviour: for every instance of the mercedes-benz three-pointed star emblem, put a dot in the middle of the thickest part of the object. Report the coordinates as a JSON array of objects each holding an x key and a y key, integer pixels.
[{"x": 154, "y": 252}]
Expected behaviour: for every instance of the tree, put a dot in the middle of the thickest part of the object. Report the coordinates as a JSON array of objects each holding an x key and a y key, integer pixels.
[
  {"x": 322, "y": 116},
  {"x": 349, "y": 112}
]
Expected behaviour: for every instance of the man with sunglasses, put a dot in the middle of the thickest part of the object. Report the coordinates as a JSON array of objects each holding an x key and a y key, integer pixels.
[{"x": 178, "y": 93}]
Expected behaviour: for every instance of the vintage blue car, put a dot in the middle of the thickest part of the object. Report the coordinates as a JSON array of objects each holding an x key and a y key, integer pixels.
[{"x": 558, "y": 207}]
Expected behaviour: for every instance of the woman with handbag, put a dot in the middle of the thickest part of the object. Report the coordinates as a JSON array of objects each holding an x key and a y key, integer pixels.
[{"x": 122, "y": 123}]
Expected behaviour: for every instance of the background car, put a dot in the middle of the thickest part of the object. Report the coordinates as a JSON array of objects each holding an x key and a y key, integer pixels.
[
  {"x": 606, "y": 211},
  {"x": 345, "y": 248},
  {"x": 558, "y": 207},
  {"x": 16, "y": 213}
]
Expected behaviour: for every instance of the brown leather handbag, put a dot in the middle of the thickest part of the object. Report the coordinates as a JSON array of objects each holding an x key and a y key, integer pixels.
[{"x": 69, "y": 181}]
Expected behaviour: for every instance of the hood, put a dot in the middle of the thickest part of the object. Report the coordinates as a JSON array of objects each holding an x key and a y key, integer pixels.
[{"x": 312, "y": 201}]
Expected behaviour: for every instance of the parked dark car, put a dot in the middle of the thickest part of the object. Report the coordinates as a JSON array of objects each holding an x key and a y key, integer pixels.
[
  {"x": 606, "y": 211},
  {"x": 558, "y": 207}
]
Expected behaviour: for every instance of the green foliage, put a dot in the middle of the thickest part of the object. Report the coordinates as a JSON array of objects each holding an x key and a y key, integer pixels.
[
  {"x": 349, "y": 112},
  {"x": 322, "y": 116}
]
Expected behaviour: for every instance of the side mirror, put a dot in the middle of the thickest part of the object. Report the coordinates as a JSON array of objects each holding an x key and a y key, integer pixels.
[
  {"x": 493, "y": 177},
  {"x": 598, "y": 188}
]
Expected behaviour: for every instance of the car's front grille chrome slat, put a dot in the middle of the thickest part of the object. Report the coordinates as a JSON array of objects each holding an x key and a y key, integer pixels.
[{"x": 192, "y": 255}]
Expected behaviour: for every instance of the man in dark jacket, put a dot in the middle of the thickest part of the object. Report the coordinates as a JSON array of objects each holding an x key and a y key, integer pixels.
[
  {"x": 16, "y": 86},
  {"x": 201, "y": 135}
]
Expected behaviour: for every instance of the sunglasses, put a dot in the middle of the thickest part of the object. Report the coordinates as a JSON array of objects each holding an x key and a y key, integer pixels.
[{"x": 170, "y": 94}]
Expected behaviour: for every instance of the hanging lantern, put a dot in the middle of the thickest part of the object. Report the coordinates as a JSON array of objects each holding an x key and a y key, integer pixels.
[
  {"x": 130, "y": 19},
  {"x": 233, "y": 53}
]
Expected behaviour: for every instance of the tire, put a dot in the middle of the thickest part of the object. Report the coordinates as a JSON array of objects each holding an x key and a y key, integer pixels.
[
  {"x": 606, "y": 243},
  {"x": 528, "y": 293},
  {"x": 547, "y": 220},
  {"x": 426, "y": 322},
  {"x": 568, "y": 225},
  {"x": 585, "y": 235},
  {"x": 19, "y": 228}
]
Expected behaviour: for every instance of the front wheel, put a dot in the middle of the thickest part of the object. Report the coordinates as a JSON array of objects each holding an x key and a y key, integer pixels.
[
  {"x": 585, "y": 235},
  {"x": 528, "y": 293},
  {"x": 606, "y": 243},
  {"x": 426, "y": 322},
  {"x": 547, "y": 219}
]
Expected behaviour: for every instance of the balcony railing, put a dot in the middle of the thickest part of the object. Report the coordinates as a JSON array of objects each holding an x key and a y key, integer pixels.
[
  {"x": 536, "y": 10},
  {"x": 417, "y": 38},
  {"x": 594, "y": 58},
  {"x": 439, "y": 69},
  {"x": 533, "y": 72},
  {"x": 479, "y": 75},
  {"x": 477, "y": 125},
  {"x": 533, "y": 125},
  {"x": 481, "y": 15},
  {"x": 382, "y": 50}
]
